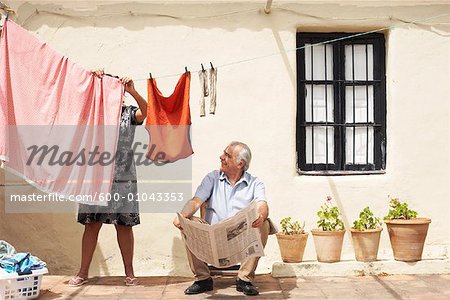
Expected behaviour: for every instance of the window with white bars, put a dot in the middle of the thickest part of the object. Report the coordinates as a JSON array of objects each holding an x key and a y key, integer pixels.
[{"x": 341, "y": 103}]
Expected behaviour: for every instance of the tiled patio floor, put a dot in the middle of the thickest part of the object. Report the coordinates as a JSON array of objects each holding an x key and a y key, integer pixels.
[{"x": 364, "y": 287}]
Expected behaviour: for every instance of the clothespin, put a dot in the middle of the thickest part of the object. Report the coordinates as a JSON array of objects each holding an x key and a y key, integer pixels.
[
  {"x": 203, "y": 69},
  {"x": 212, "y": 67},
  {"x": 186, "y": 69}
]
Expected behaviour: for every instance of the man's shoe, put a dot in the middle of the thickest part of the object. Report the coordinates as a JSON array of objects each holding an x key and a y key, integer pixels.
[
  {"x": 246, "y": 287},
  {"x": 200, "y": 286}
]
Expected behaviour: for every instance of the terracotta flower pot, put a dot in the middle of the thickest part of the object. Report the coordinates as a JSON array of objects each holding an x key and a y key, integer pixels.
[
  {"x": 366, "y": 243},
  {"x": 408, "y": 237},
  {"x": 328, "y": 244},
  {"x": 292, "y": 247}
]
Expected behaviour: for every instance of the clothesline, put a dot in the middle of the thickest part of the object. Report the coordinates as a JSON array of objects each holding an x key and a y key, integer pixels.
[{"x": 311, "y": 45}]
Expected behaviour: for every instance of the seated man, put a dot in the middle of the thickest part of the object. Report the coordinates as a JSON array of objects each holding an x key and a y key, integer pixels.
[{"x": 228, "y": 191}]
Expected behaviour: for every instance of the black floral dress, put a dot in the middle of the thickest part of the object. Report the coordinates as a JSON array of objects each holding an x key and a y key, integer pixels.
[{"x": 120, "y": 210}]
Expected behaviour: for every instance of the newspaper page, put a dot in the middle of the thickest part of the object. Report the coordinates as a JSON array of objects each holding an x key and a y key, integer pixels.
[{"x": 226, "y": 243}]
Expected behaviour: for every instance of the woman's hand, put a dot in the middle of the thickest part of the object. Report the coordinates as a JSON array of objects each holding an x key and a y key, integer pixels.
[
  {"x": 141, "y": 113},
  {"x": 99, "y": 72},
  {"x": 129, "y": 84}
]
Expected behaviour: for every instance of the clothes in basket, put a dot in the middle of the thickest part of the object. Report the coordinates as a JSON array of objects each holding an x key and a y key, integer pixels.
[{"x": 21, "y": 263}]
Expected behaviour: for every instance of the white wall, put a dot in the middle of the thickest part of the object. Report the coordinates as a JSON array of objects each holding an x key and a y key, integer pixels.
[{"x": 257, "y": 105}]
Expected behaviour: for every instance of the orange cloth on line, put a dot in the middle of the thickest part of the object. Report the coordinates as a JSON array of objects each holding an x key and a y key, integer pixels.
[{"x": 169, "y": 121}]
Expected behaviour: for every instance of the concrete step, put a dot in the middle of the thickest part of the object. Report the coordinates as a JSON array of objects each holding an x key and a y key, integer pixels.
[{"x": 356, "y": 268}]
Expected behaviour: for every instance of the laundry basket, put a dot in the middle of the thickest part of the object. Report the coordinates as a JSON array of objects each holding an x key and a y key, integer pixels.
[{"x": 14, "y": 286}]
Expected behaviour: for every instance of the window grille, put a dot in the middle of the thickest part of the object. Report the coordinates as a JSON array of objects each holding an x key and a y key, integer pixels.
[{"x": 341, "y": 103}]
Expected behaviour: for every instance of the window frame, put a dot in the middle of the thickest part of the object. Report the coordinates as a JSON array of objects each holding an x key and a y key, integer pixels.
[{"x": 339, "y": 83}]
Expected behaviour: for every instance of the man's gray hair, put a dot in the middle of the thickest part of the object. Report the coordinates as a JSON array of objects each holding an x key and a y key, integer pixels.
[{"x": 245, "y": 154}]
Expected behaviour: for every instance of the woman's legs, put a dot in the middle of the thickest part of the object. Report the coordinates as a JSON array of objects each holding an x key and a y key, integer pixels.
[
  {"x": 88, "y": 245},
  {"x": 125, "y": 239}
]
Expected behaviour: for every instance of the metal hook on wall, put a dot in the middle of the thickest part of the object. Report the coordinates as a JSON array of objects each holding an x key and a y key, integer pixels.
[{"x": 268, "y": 7}]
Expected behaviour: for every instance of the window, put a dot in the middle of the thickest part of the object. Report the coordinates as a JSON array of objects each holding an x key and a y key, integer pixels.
[{"x": 341, "y": 103}]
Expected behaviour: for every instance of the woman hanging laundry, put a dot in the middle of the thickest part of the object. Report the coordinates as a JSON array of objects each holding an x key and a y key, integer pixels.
[{"x": 122, "y": 213}]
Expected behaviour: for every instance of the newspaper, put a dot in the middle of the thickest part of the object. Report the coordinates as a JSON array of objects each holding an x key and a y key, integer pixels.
[{"x": 226, "y": 243}]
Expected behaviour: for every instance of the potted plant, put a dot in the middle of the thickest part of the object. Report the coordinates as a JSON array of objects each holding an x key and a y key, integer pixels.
[
  {"x": 292, "y": 240},
  {"x": 330, "y": 235},
  {"x": 406, "y": 232},
  {"x": 366, "y": 232}
]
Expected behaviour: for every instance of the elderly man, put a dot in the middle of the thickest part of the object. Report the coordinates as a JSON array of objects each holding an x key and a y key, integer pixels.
[{"x": 228, "y": 191}]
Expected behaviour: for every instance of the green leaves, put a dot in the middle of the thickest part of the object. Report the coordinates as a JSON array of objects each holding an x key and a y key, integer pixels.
[
  {"x": 291, "y": 228},
  {"x": 329, "y": 217},
  {"x": 366, "y": 220},
  {"x": 399, "y": 210}
]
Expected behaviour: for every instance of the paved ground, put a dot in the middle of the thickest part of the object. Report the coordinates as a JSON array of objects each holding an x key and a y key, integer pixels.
[{"x": 364, "y": 287}]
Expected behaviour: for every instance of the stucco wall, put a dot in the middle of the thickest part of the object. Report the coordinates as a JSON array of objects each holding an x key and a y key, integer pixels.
[{"x": 257, "y": 105}]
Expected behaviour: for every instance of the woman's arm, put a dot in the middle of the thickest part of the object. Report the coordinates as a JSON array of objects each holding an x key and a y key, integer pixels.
[{"x": 141, "y": 113}]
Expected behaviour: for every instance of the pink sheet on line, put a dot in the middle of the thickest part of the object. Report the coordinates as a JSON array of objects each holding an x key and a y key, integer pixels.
[{"x": 47, "y": 100}]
